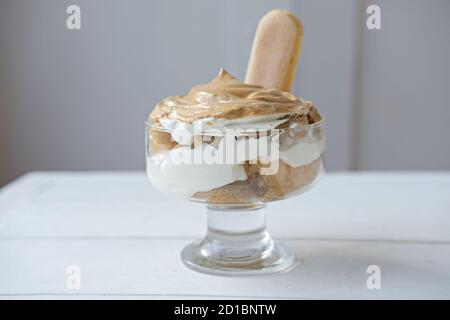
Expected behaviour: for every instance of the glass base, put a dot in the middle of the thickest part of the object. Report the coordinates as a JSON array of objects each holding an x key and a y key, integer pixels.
[{"x": 237, "y": 244}]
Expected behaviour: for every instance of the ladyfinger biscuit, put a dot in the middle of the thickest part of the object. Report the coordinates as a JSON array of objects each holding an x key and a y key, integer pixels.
[{"x": 275, "y": 52}]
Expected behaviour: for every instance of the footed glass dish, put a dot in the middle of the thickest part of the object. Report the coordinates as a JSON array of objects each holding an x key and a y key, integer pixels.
[{"x": 235, "y": 173}]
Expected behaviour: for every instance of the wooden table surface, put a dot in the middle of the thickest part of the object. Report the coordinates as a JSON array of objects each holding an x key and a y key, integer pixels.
[{"x": 125, "y": 239}]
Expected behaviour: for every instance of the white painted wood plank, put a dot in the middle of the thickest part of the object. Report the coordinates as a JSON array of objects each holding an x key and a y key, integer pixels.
[
  {"x": 386, "y": 206},
  {"x": 151, "y": 268}
]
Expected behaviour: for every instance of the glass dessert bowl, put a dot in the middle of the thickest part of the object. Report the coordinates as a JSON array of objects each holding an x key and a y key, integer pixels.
[{"x": 269, "y": 148}]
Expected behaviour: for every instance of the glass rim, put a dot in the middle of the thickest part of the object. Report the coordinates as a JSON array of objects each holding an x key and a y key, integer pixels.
[{"x": 309, "y": 126}]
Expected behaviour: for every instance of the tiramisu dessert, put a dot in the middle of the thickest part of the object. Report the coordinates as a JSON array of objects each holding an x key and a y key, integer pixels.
[{"x": 229, "y": 142}]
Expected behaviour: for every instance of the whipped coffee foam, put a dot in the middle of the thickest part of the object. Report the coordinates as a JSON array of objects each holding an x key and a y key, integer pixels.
[{"x": 225, "y": 97}]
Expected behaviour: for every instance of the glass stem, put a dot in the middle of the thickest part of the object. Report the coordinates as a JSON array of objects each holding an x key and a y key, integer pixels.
[{"x": 238, "y": 234}]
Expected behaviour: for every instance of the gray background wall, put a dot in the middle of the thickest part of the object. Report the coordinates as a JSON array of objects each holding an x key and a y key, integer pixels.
[{"x": 77, "y": 100}]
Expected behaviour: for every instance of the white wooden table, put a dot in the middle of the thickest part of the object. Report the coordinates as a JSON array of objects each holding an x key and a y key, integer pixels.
[{"x": 126, "y": 239}]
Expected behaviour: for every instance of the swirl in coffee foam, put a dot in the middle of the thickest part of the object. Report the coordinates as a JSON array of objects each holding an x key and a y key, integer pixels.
[{"x": 227, "y": 98}]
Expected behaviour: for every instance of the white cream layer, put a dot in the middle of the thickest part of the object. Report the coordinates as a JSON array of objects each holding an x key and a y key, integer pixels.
[
  {"x": 185, "y": 179},
  {"x": 182, "y": 132},
  {"x": 170, "y": 175},
  {"x": 303, "y": 153}
]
